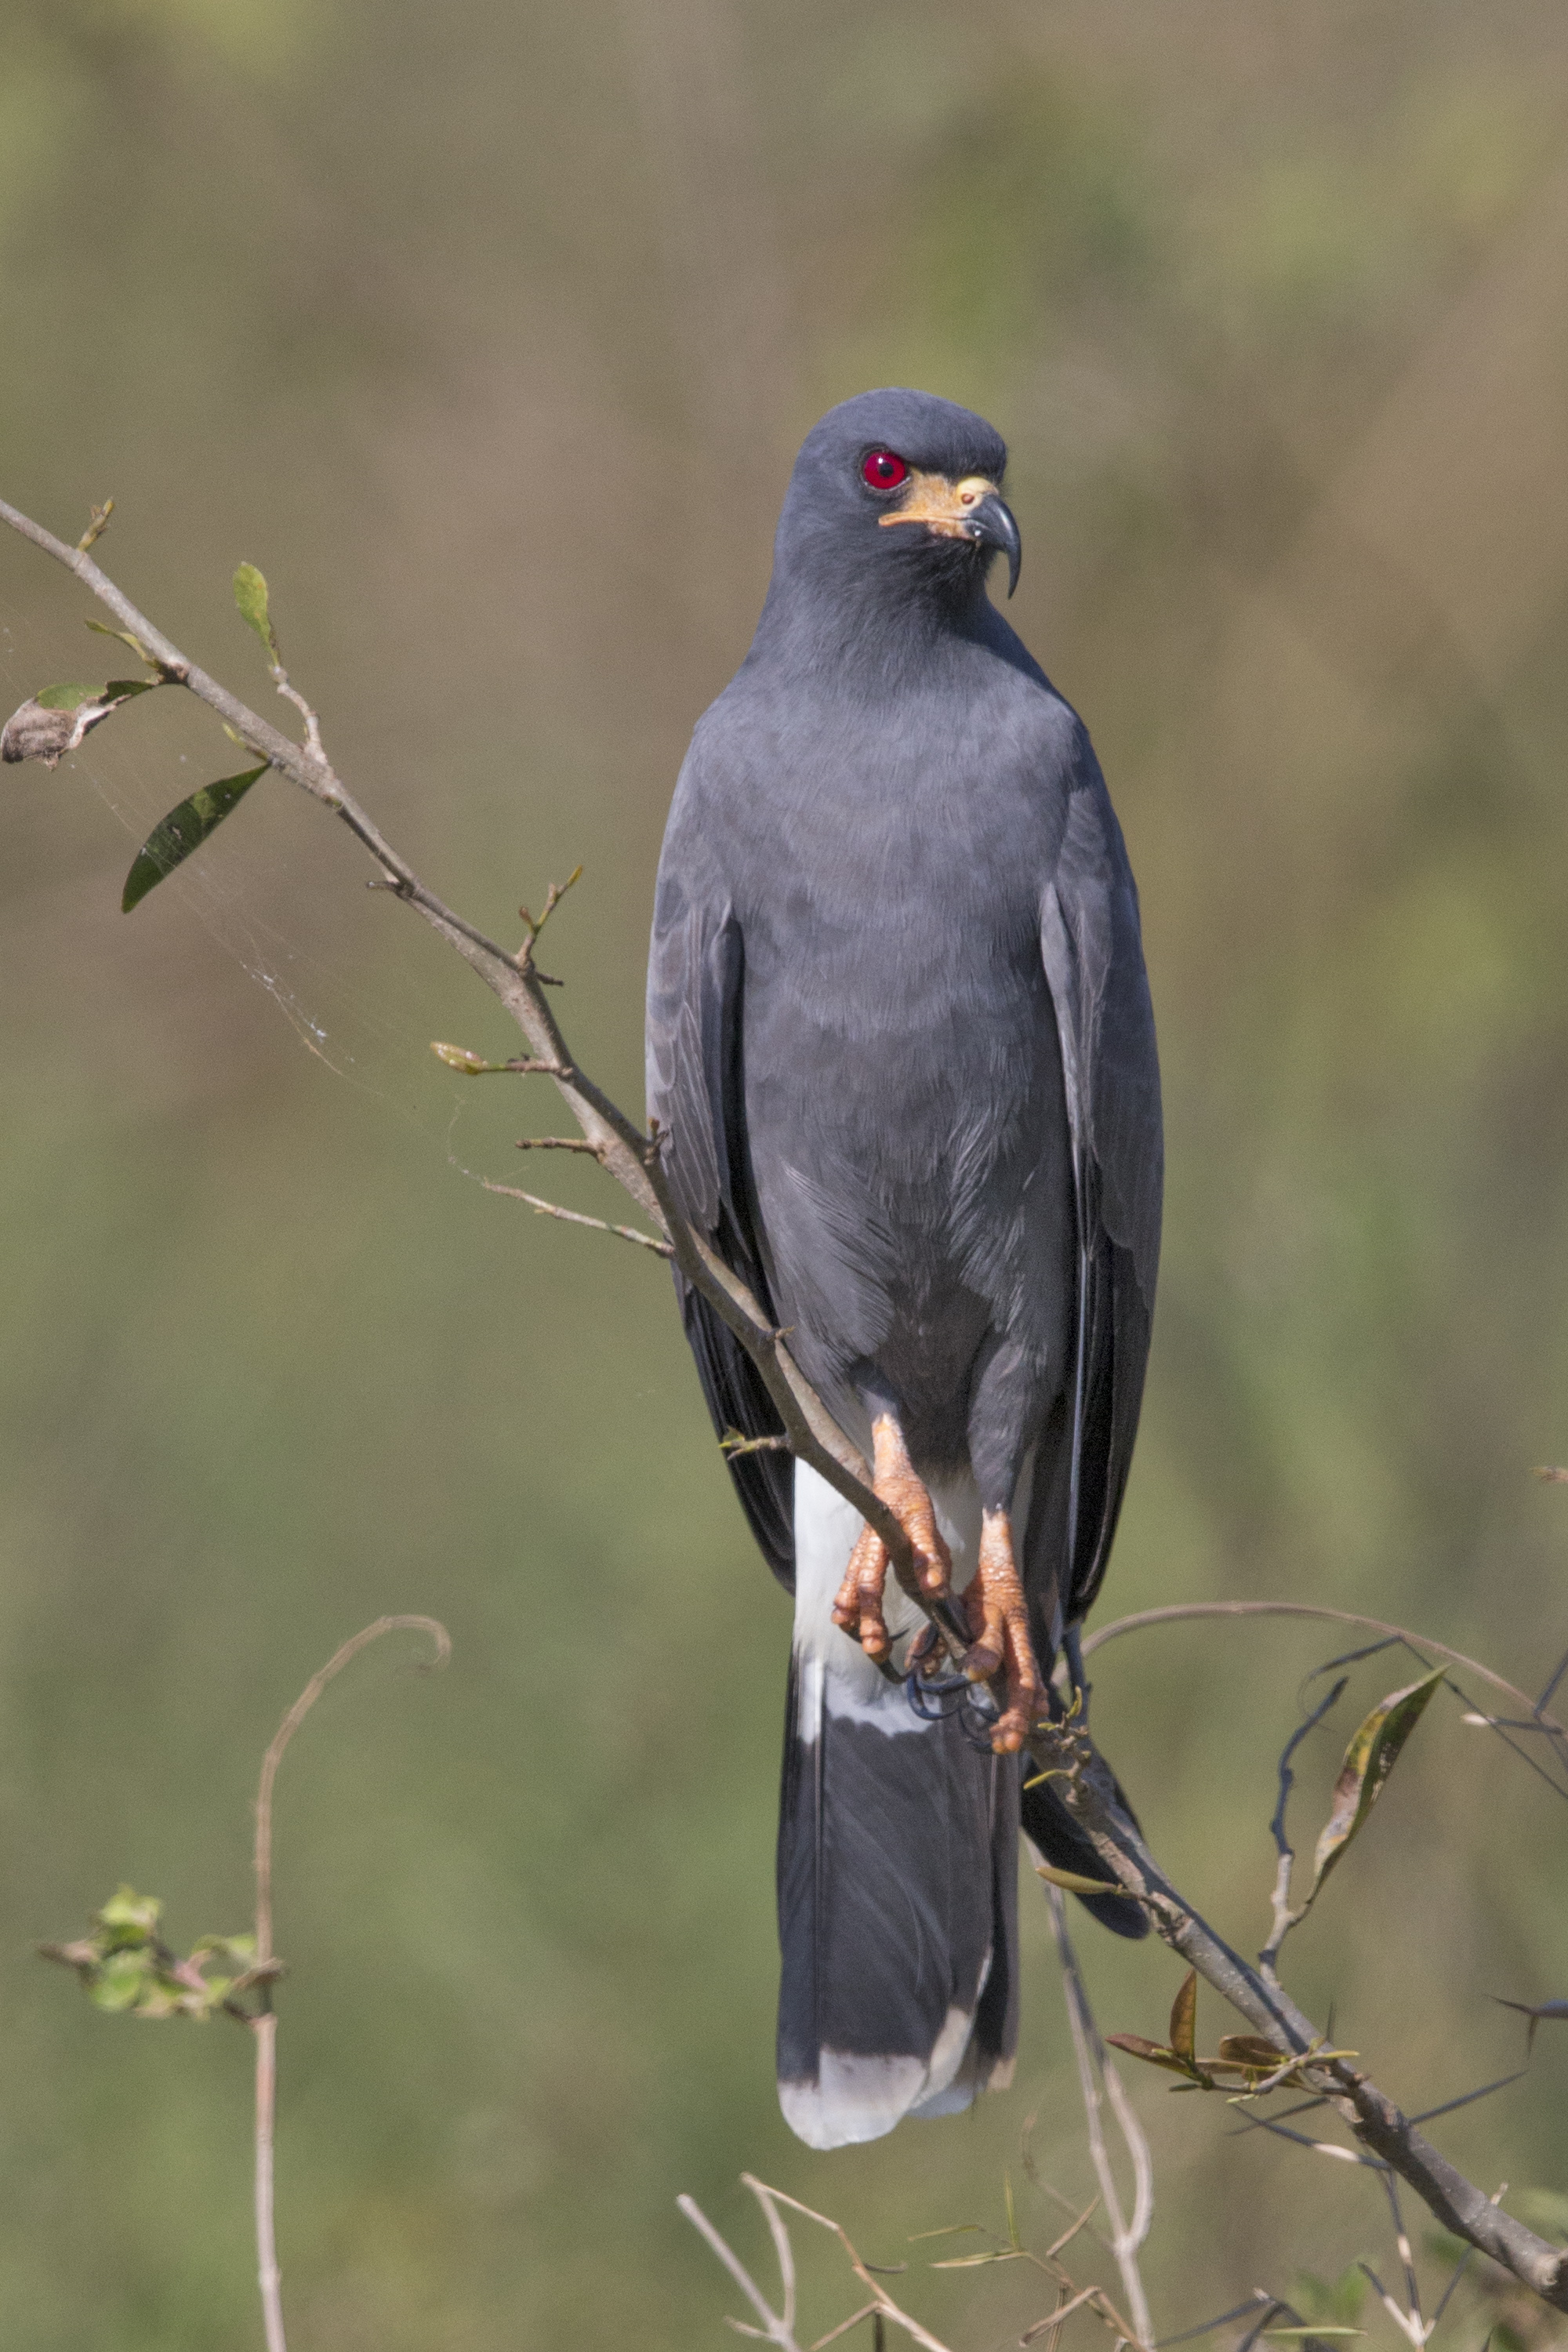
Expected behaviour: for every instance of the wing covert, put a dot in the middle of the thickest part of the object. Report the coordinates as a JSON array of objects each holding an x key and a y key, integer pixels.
[
  {"x": 1092, "y": 951},
  {"x": 695, "y": 1091}
]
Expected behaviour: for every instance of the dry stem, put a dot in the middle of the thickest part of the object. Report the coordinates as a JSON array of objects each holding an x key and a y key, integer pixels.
[
  {"x": 1099, "y": 2081},
  {"x": 264, "y": 2024}
]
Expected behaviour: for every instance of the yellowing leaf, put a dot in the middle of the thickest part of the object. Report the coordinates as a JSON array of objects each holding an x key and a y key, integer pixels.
[
  {"x": 1075, "y": 1885},
  {"x": 1369, "y": 1760},
  {"x": 1185, "y": 2017}
]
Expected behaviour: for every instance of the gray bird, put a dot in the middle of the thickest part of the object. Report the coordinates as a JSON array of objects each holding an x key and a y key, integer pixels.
[{"x": 901, "y": 1045}]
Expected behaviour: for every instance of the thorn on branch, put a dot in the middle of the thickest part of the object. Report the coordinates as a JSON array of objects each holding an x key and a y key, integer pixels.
[{"x": 1535, "y": 2013}]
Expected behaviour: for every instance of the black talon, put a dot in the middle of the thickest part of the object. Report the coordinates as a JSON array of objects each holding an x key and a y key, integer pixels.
[
  {"x": 933, "y": 1700},
  {"x": 977, "y": 1719}
]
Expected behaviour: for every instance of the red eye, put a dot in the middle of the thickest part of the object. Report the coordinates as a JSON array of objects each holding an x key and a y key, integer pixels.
[{"x": 883, "y": 470}]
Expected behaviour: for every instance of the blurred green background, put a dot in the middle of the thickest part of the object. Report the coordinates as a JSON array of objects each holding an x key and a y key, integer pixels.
[{"x": 488, "y": 332}]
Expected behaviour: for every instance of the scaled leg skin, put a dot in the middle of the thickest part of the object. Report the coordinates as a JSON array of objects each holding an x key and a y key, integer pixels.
[
  {"x": 999, "y": 1621},
  {"x": 859, "y": 1607}
]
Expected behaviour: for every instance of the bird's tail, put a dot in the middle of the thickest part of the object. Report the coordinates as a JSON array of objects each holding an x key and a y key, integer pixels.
[{"x": 897, "y": 1876}]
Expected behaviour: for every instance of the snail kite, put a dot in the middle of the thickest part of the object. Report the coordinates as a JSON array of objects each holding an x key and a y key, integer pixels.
[{"x": 900, "y": 1046}]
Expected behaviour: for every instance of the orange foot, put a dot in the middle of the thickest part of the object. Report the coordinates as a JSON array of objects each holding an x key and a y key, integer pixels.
[
  {"x": 859, "y": 1607},
  {"x": 999, "y": 1621}
]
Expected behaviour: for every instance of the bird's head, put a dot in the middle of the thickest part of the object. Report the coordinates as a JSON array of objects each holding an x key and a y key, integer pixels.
[{"x": 898, "y": 493}]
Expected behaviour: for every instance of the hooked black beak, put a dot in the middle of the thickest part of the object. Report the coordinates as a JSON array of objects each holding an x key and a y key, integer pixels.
[{"x": 990, "y": 523}]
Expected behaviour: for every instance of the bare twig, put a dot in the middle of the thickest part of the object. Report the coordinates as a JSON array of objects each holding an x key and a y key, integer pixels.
[
  {"x": 1183, "y": 1610},
  {"x": 1412, "y": 2325},
  {"x": 264, "y": 2024},
  {"x": 1097, "y": 2081},
  {"x": 575, "y": 1217},
  {"x": 1285, "y": 1917},
  {"x": 778, "y": 2327}
]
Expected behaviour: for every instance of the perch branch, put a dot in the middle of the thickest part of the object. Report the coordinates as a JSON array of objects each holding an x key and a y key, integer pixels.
[
  {"x": 1062, "y": 1750},
  {"x": 630, "y": 1155}
]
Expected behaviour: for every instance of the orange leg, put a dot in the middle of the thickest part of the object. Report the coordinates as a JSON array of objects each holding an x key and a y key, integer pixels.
[
  {"x": 999, "y": 1621},
  {"x": 859, "y": 1607}
]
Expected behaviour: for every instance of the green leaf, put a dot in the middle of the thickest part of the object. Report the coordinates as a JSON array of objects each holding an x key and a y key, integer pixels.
[
  {"x": 71, "y": 698},
  {"x": 1369, "y": 1760},
  {"x": 126, "y": 1909},
  {"x": 1185, "y": 2017},
  {"x": 250, "y": 595},
  {"x": 183, "y": 830},
  {"x": 122, "y": 1982}
]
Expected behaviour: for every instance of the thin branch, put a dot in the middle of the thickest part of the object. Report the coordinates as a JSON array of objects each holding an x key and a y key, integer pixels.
[
  {"x": 1095, "y": 2069},
  {"x": 442, "y": 1641},
  {"x": 1415, "y": 2327},
  {"x": 1182, "y": 1611},
  {"x": 1285, "y": 1917},
  {"x": 264, "y": 2024},
  {"x": 630, "y": 1156},
  {"x": 773, "y": 2328},
  {"x": 575, "y": 1217},
  {"x": 884, "y": 2308}
]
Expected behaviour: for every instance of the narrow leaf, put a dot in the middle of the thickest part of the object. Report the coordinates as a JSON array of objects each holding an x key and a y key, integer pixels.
[
  {"x": 250, "y": 596},
  {"x": 183, "y": 830},
  {"x": 1068, "y": 1879},
  {"x": 1185, "y": 2017},
  {"x": 1137, "y": 2045},
  {"x": 1153, "y": 2054},
  {"x": 65, "y": 698},
  {"x": 1251, "y": 2049},
  {"x": 103, "y": 629},
  {"x": 1369, "y": 1760}
]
